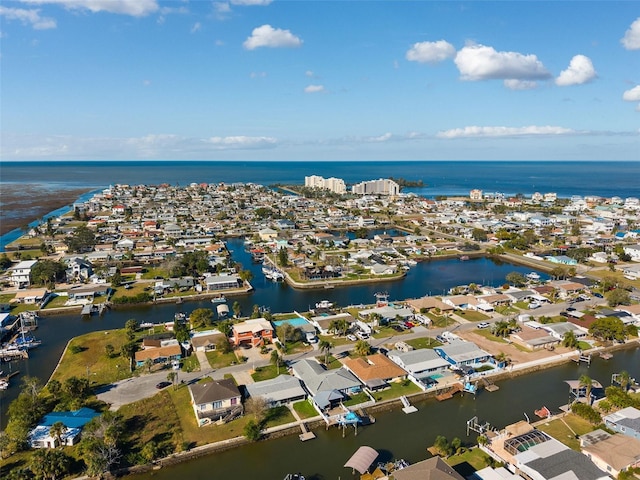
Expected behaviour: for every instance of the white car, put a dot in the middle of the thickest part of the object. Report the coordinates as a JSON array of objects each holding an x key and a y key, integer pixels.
[
  {"x": 362, "y": 335},
  {"x": 352, "y": 338},
  {"x": 483, "y": 324},
  {"x": 534, "y": 305}
]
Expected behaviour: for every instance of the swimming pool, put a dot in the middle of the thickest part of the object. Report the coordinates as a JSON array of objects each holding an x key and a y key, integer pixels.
[{"x": 295, "y": 322}]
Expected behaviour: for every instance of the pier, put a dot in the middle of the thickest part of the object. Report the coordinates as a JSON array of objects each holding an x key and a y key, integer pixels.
[
  {"x": 449, "y": 393},
  {"x": 406, "y": 406}
]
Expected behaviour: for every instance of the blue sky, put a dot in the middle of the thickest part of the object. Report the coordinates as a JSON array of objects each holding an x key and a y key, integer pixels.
[{"x": 319, "y": 80}]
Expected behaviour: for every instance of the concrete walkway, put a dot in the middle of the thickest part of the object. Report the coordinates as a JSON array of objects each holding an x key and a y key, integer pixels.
[{"x": 204, "y": 361}]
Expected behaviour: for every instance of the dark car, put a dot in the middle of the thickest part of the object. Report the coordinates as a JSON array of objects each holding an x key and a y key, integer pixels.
[
  {"x": 597, "y": 295},
  {"x": 397, "y": 328},
  {"x": 571, "y": 309},
  {"x": 564, "y": 314},
  {"x": 162, "y": 385}
]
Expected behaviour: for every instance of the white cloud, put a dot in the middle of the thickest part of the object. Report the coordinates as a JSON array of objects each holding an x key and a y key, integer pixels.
[
  {"x": 382, "y": 138},
  {"x": 479, "y": 62},
  {"x": 267, "y": 36},
  {"x": 219, "y": 43},
  {"x": 513, "y": 84},
  {"x": 480, "y": 132},
  {"x": 632, "y": 95},
  {"x": 430, "y": 52},
  {"x": 224, "y": 143},
  {"x": 196, "y": 27},
  {"x": 249, "y": 3},
  {"x": 314, "y": 88},
  {"x": 221, "y": 8},
  {"x": 258, "y": 74},
  {"x": 28, "y": 17},
  {"x": 146, "y": 83},
  {"x": 135, "y": 8},
  {"x": 309, "y": 73},
  {"x": 579, "y": 71},
  {"x": 631, "y": 39}
]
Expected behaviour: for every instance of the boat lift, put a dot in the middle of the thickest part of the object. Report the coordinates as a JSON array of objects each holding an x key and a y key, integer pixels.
[{"x": 475, "y": 426}]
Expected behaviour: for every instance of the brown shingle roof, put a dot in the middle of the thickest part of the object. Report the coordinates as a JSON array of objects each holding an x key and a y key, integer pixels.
[
  {"x": 214, "y": 391},
  {"x": 374, "y": 367}
]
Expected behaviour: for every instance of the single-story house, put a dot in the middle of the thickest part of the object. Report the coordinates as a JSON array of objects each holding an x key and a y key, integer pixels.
[
  {"x": 559, "y": 330},
  {"x": 429, "y": 303},
  {"x": 282, "y": 390},
  {"x": 323, "y": 323},
  {"x": 255, "y": 331},
  {"x": 32, "y": 295},
  {"x": 534, "y": 338},
  {"x": 421, "y": 364},
  {"x": 222, "y": 282},
  {"x": 611, "y": 453},
  {"x": 216, "y": 400},
  {"x": 433, "y": 468},
  {"x": 375, "y": 371},
  {"x": 73, "y": 421},
  {"x": 206, "y": 341},
  {"x": 462, "y": 302},
  {"x": 387, "y": 312},
  {"x": 327, "y": 387},
  {"x": 460, "y": 352},
  {"x": 168, "y": 351},
  {"x": 625, "y": 421}
]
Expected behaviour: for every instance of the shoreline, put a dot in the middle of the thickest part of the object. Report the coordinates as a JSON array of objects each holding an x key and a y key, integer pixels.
[{"x": 383, "y": 406}]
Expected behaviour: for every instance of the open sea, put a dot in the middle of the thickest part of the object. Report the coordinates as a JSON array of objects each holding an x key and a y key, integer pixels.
[{"x": 566, "y": 178}]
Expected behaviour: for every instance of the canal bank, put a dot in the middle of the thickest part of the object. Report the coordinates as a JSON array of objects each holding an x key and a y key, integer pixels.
[{"x": 398, "y": 435}]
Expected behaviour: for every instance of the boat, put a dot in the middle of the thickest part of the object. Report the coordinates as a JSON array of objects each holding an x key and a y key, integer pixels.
[
  {"x": 532, "y": 276},
  {"x": 543, "y": 412},
  {"x": 464, "y": 258},
  {"x": 219, "y": 299},
  {"x": 4, "y": 384},
  {"x": 294, "y": 476},
  {"x": 324, "y": 304},
  {"x": 272, "y": 273}
]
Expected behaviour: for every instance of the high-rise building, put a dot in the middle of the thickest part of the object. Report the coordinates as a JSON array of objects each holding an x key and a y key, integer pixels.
[
  {"x": 335, "y": 185},
  {"x": 382, "y": 186}
]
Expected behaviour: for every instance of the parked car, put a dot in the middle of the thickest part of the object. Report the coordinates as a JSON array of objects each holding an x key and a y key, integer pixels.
[
  {"x": 534, "y": 305},
  {"x": 162, "y": 385},
  {"x": 597, "y": 295},
  {"x": 571, "y": 309},
  {"x": 351, "y": 337},
  {"x": 564, "y": 314},
  {"x": 397, "y": 328},
  {"x": 409, "y": 324},
  {"x": 362, "y": 335},
  {"x": 483, "y": 324}
]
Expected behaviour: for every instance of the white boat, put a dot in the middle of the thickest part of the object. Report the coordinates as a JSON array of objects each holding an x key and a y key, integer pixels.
[
  {"x": 532, "y": 276},
  {"x": 324, "y": 304},
  {"x": 4, "y": 384},
  {"x": 219, "y": 299}
]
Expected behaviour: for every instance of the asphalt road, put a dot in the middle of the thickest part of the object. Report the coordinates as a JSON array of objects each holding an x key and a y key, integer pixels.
[{"x": 137, "y": 388}]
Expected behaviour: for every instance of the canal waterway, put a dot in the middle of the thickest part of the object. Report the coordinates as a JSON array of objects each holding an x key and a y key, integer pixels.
[
  {"x": 398, "y": 435},
  {"x": 434, "y": 277}
]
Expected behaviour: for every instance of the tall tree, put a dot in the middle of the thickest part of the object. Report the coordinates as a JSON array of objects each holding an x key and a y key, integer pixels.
[
  {"x": 57, "y": 430},
  {"x": 325, "y": 347},
  {"x": 49, "y": 464}
]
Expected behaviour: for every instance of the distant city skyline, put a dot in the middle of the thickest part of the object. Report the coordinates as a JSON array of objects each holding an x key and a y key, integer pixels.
[{"x": 317, "y": 80}]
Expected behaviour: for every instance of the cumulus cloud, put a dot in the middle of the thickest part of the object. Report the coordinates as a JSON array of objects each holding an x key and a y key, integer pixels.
[
  {"x": 134, "y": 8},
  {"x": 579, "y": 71},
  {"x": 479, "y": 62},
  {"x": 430, "y": 52},
  {"x": 314, "y": 88},
  {"x": 309, "y": 73},
  {"x": 196, "y": 27},
  {"x": 631, "y": 39},
  {"x": 480, "y": 132},
  {"x": 513, "y": 84},
  {"x": 633, "y": 95},
  {"x": 267, "y": 36},
  {"x": 28, "y": 17}
]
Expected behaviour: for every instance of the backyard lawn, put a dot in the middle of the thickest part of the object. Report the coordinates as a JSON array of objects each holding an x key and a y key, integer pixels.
[
  {"x": 489, "y": 336},
  {"x": 220, "y": 360},
  {"x": 267, "y": 373},
  {"x": 469, "y": 461},
  {"x": 565, "y": 430},
  {"x": 473, "y": 316},
  {"x": 397, "y": 390},
  {"x": 305, "y": 410},
  {"x": 425, "y": 342}
]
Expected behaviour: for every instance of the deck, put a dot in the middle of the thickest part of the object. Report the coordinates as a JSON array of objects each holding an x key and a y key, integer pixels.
[{"x": 449, "y": 393}]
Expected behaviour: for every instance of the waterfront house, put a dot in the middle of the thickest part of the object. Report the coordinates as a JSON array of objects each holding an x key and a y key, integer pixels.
[
  {"x": 460, "y": 352},
  {"x": 327, "y": 387},
  {"x": 611, "y": 453},
  {"x": 559, "y": 330},
  {"x": 423, "y": 365},
  {"x": 255, "y": 332},
  {"x": 462, "y": 302},
  {"x": 433, "y": 468},
  {"x": 429, "y": 303},
  {"x": 73, "y": 421},
  {"x": 166, "y": 352},
  {"x": 375, "y": 371},
  {"x": 323, "y": 323},
  {"x": 282, "y": 390},
  {"x": 538, "y": 456},
  {"x": 222, "y": 282},
  {"x": 625, "y": 421},
  {"x": 21, "y": 273},
  {"x": 217, "y": 400}
]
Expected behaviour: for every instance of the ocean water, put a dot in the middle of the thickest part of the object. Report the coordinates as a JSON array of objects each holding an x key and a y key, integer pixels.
[{"x": 565, "y": 178}]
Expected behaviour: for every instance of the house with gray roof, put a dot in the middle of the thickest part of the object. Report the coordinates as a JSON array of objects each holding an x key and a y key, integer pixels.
[
  {"x": 327, "y": 387},
  {"x": 460, "y": 352},
  {"x": 278, "y": 391},
  {"x": 421, "y": 365},
  {"x": 548, "y": 459},
  {"x": 215, "y": 400},
  {"x": 625, "y": 421},
  {"x": 559, "y": 330}
]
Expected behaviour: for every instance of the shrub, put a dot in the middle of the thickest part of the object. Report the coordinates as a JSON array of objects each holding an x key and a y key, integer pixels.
[{"x": 587, "y": 412}]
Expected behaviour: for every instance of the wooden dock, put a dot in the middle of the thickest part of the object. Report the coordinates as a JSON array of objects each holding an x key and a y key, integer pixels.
[
  {"x": 489, "y": 386},
  {"x": 306, "y": 434},
  {"x": 446, "y": 395}
]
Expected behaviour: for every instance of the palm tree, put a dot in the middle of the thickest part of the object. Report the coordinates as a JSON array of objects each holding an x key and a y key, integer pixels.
[
  {"x": 326, "y": 347},
  {"x": 501, "y": 329},
  {"x": 57, "y": 430},
  {"x": 276, "y": 359},
  {"x": 569, "y": 340},
  {"x": 362, "y": 348},
  {"x": 586, "y": 382},
  {"x": 172, "y": 377},
  {"x": 624, "y": 379}
]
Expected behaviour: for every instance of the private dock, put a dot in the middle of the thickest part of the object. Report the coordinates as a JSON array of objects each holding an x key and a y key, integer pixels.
[
  {"x": 583, "y": 357},
  {"x": 446, "y": 395},
  {"x": 8, "y": 354},
  {"x": 489, "y": 386},
  {"x": 406, "y": 406},
  {"x": 306, "y": 434}
]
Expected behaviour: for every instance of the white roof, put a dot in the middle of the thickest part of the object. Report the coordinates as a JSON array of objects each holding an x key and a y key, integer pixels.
[{"x": 24, "y": 265}]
